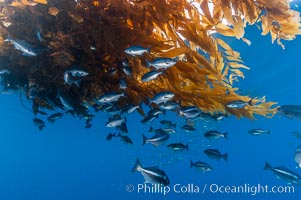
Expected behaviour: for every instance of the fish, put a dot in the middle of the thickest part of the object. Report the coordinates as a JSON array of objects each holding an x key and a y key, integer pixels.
[
  {"x": 54, "y": 117},
  {"x": 69, "y": 79},
  {"x": 155, "y": 112},
  {"x": 297, "y": 135},
  {"x": 65, "y": 102},
  {"x": 168, "y": 123},
  {"x": 285, "y": 174},
  {"x": 162, "y": 97},
  {"x": 219, "y": 116},
  {"x": 152, "y": 175},
  {"x": 123, "y": 84},
  {"x": 148, "y": 119},
  {"x": 204, "y": 167},
  {"x": 39, "y": 123},
  {"x": 42, "y": 112},
  {"x": 88, "y": 125},
  {"x": 122, "y": 128},
  {"x": 136, "y": 50},
  {"x": 168, "y": 130},
  {"x": 188, "y": 128},
  {"x": 110, "y": 97},
  {"x": 215, "y": 154},
  {"x": 151, "y": 75},
  {"x": 290, "y": 111},
  {"x": 238, "y": 104},
  {"x": 158, "y": 139},
  {"x": 125, "y": 139},
  {"x": 298, "y": 156},
  {"x": 115, "y": 121},
  {"x": 178, "y": 146},
  {"x": 22, "y": 46},
  {"x": 258, "y": 131},
  {"x": 169, "y": 105},
  {"x": 4, "y": 71},
  {"x": 161, "y": 63},
  {"x": 127, "y": 70},
  {"x": 110, "y": 136},
  {"x": 77, "y": 72},
  {"x": 39, "y": 36},
  {"x": 129, "y": 108},
  {"x": 213, "y": 135},
  {"x": 190, "y": 112}
]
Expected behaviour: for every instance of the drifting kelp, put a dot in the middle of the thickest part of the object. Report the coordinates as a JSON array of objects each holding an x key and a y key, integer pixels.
[{"x": 92, "y": 36}]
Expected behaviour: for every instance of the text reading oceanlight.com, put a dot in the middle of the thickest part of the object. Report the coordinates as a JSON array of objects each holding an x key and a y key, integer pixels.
[{"x": 209, "y": 188}]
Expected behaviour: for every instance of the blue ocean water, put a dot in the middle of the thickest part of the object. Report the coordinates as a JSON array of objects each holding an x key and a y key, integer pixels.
[{"x": 67, "y": 161}]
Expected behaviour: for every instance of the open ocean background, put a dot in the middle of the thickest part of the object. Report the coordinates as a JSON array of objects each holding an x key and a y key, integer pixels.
[{"x": 66, "y": 161}]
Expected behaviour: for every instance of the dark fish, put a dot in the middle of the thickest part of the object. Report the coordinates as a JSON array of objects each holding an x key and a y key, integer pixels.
[
  {"x": 204, "y": 167},
  {"x": 42, "y": 112},
  {"x": 88, "y": 125},
  {"x": 258, "y": 131},
  {"x": 238, "y": 104},
  {"x": 188, "y": 128},
  {"x": 155, "y": 112},
  {"x": 178, "y": 146},
  {"x": 151, "y": 174},
  {"x": 285, "y": 174},
  {"x": 125, "y": 139},
  {"x": 129, "y": 109},
  {"x": 167, "y": 123},
  {"x": 110, "y": 136},
  {"x": 122, "y": 128},
  {"x": 213, "y": 135},
  {"x": 215, "y": 154},
  {"x": 39, "y": 123},
  {"x": 290, "y": 111},
  {"x": 158, "y": 139},
  {"x": 148, "y": 119},
  {"x": 54, "y": 117},
  {"x": 297, "y": 135}
]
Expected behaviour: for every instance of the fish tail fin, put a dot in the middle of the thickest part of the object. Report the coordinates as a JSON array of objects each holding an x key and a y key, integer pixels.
[
  {"x": 226, "y": 135},
  {"x": 137, "y": 166},
  {"x": 150, "y": 129},
  {"x": 250, "y": 102},
  {"x": 267, "y": 166},
  {"x": 144, "y": 139},
  {"x": 174, "y": 125},
  {"x": 225, "y": 156},
  {"x": 191, "y": 163},
  {"x": 268, "y": 132},
  {"x": 186, "y": 147},
  {"x": 147, "y": 64}
]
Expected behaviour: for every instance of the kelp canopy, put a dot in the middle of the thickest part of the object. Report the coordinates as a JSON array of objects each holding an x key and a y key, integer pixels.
[{"x": 93, "y": 35}]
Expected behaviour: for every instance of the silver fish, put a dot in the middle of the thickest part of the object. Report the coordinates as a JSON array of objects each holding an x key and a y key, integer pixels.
[
  {"x": 258, "y": 131},
  {"x": 169, "y": 105},
  {"x": 129, "y": 109},
  {"x": 136, "y": 50},
  {"x": 22, "y": 46},
  {"x": 4, "y": 71},
  {"x": 110, "y": 97},
  {"x": 298, "y": 156},
  {"x": 167, "y": 123},
  {"x": 151, "y": 75},
  {"x": 238, "y": 104},
  {"x": 148, "y": 119},
  {"x": 158, "y": 139},
  {"x": 204, "y": 167},
  {"x": 114, "y": 122},
  {"x": 188, "y": 128},
  {"x": 152, "y": 175},
  {"x": 285, "y": 174},
  {"x": 162, "y": 97},
  {"x": 161, "y": 63},
  {"x": 77, "y": 72}
]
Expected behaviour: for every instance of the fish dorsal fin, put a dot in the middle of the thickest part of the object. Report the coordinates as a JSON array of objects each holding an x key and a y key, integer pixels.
[{"x": 152, "y": 168}]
